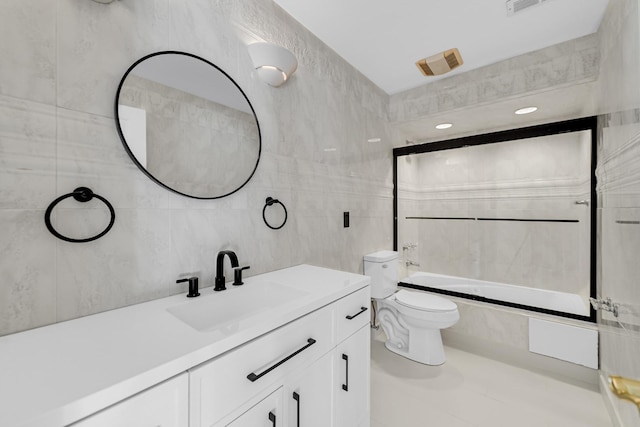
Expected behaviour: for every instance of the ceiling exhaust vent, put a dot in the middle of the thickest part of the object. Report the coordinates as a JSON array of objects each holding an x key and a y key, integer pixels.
[
  {"x": 440, "y": 63},
  {"x": 515, "y": 6}
]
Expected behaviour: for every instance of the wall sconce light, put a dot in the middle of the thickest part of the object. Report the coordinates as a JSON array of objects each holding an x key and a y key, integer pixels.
[{"x": 274, "y": 63}]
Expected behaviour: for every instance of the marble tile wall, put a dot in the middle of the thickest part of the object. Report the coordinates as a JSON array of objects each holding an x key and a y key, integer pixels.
[
  {"x": 619, "y": 202},
  {"x": 62, "y": 62},
  {"x": 536, "y": 178},
  {"x": 566, "y": 64}
]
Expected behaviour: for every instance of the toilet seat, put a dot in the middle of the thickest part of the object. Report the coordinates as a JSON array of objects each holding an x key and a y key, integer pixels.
[{"x": 424, "y": 302}]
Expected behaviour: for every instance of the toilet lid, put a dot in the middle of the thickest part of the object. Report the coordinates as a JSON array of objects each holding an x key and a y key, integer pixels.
[{"x": 424, "y": 301}]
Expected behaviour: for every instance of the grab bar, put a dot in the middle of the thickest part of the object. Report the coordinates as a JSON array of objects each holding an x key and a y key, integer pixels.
[{"x": 492, "y": 219}]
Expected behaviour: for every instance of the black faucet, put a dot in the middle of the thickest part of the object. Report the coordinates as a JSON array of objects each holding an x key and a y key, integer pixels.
[{"x": 219, "y": 282}]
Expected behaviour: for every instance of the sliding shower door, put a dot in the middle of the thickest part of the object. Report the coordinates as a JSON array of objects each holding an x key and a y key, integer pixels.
[{"x": 502, "y": 214}]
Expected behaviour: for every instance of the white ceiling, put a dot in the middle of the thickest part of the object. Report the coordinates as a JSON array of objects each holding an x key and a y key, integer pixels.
[{"x": 384, "y": 38}]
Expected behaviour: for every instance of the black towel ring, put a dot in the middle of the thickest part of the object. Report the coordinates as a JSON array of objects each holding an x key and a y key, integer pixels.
[
  {"x": 81, "y": 194},
  {"x": 270, "y": 202}
]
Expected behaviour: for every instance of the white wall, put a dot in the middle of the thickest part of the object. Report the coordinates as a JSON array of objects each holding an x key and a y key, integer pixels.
[{"x": 61, "y": 64}]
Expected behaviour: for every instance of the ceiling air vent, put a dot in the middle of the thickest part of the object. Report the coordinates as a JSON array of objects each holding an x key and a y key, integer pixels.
[
  {"x": 440, "y": 63},
  {"x": 515, "y": 6}
]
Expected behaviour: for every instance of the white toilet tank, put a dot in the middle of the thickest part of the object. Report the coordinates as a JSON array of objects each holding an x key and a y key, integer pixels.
[{"x": 382, "y": 267}]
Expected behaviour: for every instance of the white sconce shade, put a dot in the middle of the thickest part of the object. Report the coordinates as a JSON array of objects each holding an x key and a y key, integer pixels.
[{"x": 273, "y": 63}]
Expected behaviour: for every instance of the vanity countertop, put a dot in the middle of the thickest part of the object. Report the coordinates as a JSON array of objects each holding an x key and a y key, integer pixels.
[{"x": 58, "y": 374}]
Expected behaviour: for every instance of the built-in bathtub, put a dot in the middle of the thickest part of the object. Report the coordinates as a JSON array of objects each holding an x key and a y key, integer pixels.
[{"x": 516, "y": 296}]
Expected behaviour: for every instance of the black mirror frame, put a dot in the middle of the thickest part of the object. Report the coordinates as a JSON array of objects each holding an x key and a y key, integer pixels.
[{"x": 130, "y": 153}]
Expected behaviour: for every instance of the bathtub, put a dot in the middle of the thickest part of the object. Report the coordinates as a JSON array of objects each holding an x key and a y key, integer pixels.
[{"x": 522, "y": 296}]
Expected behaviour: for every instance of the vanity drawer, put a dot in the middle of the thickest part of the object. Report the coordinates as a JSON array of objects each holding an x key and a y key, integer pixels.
[
  {"x": 219, "y": 386},
  {"x": 352, "y": 313}
]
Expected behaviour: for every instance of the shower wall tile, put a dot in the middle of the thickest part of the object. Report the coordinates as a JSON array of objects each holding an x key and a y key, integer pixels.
[
  {"x": 96, "y": 45},
  {"x": 90, "y": 154},
  {"x": 27, "y": 48},
  {"x": 569, "y": 63},
  {"x": 130, "y": 264},
  {"x": 27, "y": 267},
  {"x": 27, "y": 154},
  {"x": 215, "y": 40},
  {"x": 531, "y": 179},
  {"x": 69, "y": 139}
]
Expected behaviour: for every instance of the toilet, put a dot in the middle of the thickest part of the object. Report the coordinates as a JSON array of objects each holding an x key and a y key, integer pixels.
[{"x": 411, "y": 320}]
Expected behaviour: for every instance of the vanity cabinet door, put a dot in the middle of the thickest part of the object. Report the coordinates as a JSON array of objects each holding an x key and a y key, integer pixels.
[
  {"x": 164, "y": 405},
  {"x": 266, "y": 413},
  {"x": 351, "y": 380},
  {"x": 309, "y": 397}
]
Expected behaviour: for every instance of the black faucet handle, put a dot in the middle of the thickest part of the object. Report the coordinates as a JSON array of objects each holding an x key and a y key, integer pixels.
[
  {"x": 237, "y": 275},
  {"x": 193, "y": 286}
]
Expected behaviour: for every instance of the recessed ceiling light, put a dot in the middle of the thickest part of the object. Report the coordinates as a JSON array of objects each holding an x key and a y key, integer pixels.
[
  {"x": 526, "y": 110},
  {"x": 374, "y": 140},
  {"x": 330, "y": 150},
  {"x": 444, "y": 126}
]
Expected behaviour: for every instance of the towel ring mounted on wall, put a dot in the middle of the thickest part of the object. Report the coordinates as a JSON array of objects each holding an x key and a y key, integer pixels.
[
  {"x": 270, "y": 202},
  {"x": 81, "y": 194}
]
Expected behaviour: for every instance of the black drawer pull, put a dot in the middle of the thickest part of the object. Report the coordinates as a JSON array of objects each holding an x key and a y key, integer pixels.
[
  {"x": 345, "y": 387},
  {"x": 362, "y": 310},
  {"x": 296, "y": 397},
  {"x": 272, "y": 418},
  {"x": 253, "y": 376}
]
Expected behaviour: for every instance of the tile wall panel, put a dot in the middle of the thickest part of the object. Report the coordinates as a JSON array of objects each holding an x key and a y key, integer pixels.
[{"x": 66, "y": 58}]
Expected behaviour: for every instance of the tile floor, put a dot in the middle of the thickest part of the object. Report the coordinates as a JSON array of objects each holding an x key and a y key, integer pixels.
[{"x": 470, "y": 390}]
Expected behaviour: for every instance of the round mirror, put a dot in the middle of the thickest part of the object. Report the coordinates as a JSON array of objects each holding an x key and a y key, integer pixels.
[{"x": 187, "y": 125}]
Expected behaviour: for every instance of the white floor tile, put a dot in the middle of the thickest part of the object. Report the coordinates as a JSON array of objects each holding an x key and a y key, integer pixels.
[{"x": 473, "y": 391}]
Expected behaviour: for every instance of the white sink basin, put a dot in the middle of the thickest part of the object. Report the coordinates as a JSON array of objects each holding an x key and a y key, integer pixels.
[{"x": 224, "y": 310}]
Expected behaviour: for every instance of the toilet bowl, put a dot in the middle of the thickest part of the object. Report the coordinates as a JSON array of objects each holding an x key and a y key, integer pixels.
[{"x": 411, "y": 320}]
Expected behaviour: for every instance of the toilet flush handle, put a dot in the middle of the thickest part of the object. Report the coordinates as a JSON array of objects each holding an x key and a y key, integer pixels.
[{"x": 385, "y": 265}]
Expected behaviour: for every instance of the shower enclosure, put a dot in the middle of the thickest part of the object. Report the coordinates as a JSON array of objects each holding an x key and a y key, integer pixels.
[{"x": 515, "y": 207}]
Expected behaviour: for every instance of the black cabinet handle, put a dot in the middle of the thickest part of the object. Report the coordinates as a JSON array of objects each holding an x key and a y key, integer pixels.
[
  {"x": 272, "y": 418},
  {"x": 345, "y": 387},
  {"x": 253, "y": 376},
  {"x": 362, "y": 310},
  {"x": 296, "y": 397}
]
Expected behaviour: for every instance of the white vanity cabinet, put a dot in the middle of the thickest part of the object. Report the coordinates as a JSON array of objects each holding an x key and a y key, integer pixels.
[
  {"x": 163, "y": 405},
  {"x": 219, "y": 387},
  {"x": 254, "y": 355},
  {"x": 291, "y": 376},
  {"x": 351, "y": 403},
  {"x": 352, "y": 361}
]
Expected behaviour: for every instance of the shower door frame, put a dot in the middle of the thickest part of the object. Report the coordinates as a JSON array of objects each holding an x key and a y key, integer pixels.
[{"x": 555, "y": 128}]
